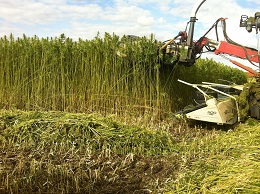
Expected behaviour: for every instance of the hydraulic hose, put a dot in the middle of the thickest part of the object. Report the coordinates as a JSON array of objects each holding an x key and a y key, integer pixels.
[
  {"x": 229, "y": 40},
  {"x": 193, "y": 19}
]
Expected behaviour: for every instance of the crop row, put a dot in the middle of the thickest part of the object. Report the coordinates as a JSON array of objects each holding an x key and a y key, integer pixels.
[{"x": 113, "y": 75}]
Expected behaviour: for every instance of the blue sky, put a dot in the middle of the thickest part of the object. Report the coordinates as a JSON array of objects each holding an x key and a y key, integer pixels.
[{"x": 84, "y": 18}]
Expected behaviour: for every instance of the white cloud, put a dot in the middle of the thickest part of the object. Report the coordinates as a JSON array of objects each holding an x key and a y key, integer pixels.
[
  {"x": 90, "y": 11},
  {"x": 124, "y": 13},
  {"x": 79, "y": 17},
  {"x": 161, "y": 20},
  {"x": 88, "y": 31},
  {"x": 254, "y": 1},
  {"x": 214, "y": 10},
  {"x": 7, "y": 28},
  {"x": 27, "y": 12},
  {"x": 145, "y": 21}
]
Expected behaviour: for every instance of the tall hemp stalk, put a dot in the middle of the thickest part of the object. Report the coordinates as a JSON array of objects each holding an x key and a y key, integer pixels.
[{"x": 90, "y": 76}]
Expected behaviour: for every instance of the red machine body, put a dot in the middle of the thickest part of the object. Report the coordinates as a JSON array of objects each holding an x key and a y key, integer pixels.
[{"x": 238, "y": 51}]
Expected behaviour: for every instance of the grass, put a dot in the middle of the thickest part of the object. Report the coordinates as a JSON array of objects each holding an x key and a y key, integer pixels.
[
  {"x": 59, "y": 152},
  {"x": 226, "y": 163},
  {"x": 76, "y": 153}
]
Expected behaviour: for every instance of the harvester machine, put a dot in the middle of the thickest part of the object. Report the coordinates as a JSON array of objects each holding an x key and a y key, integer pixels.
[
  {"x": 224, "y": 111},
  {"x": 183, "y": 50}
]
